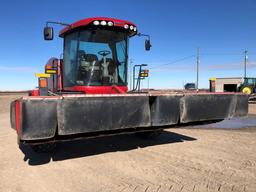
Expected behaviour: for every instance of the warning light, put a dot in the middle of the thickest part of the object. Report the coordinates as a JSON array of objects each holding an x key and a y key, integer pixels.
[
  {"x": 50, "y": 71},
  {"x": 144, "y": 73},
  {"x": 42, "y": 82}
]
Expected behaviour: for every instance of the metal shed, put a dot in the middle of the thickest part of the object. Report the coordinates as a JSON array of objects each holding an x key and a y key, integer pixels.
[{"x": 228, "y": 84}]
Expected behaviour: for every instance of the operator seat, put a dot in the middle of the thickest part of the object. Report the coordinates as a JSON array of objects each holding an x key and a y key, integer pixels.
[
  {"x": 92, "y": 59},
  {"x": 109, "y": 71},
  {"x": 94, "y": 69},
  {"x": 88, "y": 68}
]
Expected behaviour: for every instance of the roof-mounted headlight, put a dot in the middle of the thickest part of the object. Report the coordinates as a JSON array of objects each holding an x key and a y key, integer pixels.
[
  {"x": 103, "y": 23},
  {"x": 96, "y": 22},
  {"x": 134, "y": 29},
  {"x": 126, "y": 26},
  {"x": 131, "y": 27},
  {"x": 110, "y": 23}
]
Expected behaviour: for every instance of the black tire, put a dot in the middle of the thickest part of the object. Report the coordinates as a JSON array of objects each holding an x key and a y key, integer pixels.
[
  {"x": 149, "y": 134},
  {"x": 44, "y": 148}
]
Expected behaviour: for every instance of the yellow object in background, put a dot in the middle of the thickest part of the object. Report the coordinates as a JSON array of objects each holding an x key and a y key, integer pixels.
[{"x": 40, "y": 75}]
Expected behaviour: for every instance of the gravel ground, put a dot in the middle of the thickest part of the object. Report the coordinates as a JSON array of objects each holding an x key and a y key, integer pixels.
[{"x": 179, "y": 160}]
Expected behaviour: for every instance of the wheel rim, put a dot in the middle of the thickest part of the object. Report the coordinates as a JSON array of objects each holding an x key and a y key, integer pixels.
[{"x": 247, "y": 90}]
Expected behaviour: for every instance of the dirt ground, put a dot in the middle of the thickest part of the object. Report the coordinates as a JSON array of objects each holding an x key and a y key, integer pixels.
[{"x": 179, "y": 160}]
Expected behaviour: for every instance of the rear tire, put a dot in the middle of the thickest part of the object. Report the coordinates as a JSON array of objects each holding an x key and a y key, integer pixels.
[
  {"x": 246, "y": 90},
  {"x": 44, "y": 148},
  {"x": 149, "y": 134}
]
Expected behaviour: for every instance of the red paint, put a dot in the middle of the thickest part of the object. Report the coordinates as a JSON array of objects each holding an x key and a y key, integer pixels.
[
  {"x": 18, "y": 115},
  {"x": 212, "y": 93},
  {"x": 85, "y": 22},
  {"x": 59, "y": 74},
  {"x": 51, "y": 62},
  {"x": 99, "y": 89},
  {"x": 35, "y": 92},
  {"x": 118, "y": 89},
  {"x": 54, "y": 62}
]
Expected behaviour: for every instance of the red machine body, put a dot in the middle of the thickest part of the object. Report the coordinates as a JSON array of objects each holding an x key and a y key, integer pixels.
[
  {"x": 84, "y": 94},
  {"x": 87, "y": 21}
]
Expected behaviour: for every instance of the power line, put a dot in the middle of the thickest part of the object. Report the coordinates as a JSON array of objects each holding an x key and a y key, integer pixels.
[
  {"x": 173, "y": 62},
  {"x": 239, "y": 54},
  {"x": 245, "y": 62},
  {"x": 202, "y": 54},
  {"x": 221, "y": 54},
  {"x": 197, "y": 67}
]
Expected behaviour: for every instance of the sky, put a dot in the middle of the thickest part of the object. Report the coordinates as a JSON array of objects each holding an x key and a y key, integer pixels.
[{"x": 222, "y": 29}]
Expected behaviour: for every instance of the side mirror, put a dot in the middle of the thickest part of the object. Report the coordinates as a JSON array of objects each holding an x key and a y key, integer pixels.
[
  {"x": 48, "y": 33},
  {"x": 147, "y": 44}
]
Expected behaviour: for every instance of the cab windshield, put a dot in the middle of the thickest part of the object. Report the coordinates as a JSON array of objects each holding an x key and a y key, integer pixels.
[{"x": 95, "y": 58}]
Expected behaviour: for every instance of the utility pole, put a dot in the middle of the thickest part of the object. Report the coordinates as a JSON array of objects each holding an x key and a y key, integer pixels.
[
  {"x": 245, "y": 62},
  {"x": 148, "y": 83},
  {"x": 133, "y": 77},
  {"x": 131, "y": 62},
  {"x": 197, "y": 68}
]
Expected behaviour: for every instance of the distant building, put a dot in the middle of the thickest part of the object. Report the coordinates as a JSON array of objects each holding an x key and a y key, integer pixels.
[{"x": 230, "y": 84}]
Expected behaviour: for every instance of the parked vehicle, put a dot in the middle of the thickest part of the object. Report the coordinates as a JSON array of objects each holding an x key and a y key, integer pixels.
[{"x": 190, "y": 86}]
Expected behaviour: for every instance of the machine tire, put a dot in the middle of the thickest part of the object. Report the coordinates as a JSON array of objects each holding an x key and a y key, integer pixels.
[
  {"x": 247, "y": 90},
  {"x": 44, "y": 148},
  {"x": 149, "y": 134}
]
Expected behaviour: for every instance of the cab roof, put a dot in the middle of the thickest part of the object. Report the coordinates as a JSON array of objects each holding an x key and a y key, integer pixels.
[{"x": 89, "y": 21}]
